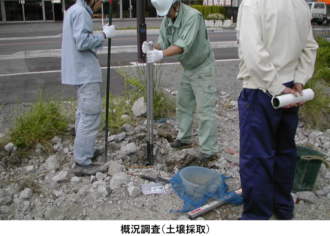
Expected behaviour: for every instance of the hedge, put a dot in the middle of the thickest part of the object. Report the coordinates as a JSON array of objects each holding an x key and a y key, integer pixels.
[
  {"x": 206, "y": 10},
  {"x": 199, "y": 8}
]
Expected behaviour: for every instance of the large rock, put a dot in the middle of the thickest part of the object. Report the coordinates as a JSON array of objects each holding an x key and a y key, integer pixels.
[
  {"x": 10, "y": 147},
  {"x": 62, "y": 177},
  {"x": 114, "y": 168},
  {"x": 4, "y": 209},
  {"x": 56, "y": 139},
  {"x": 321, "y": 192},
  {"x": 166, "y": 133},
  {"x": 52, "y": 163},
  {"x": 26, "y": 194},
  {"x": 100, "y": 176},
  {"x": 75, "y": 180},
  {"x": 133, "y": 191},
  {"x": 118, "y": 180},
  {"x": 29, "y": 169},
  {"x": 129, "y": 148},
  {"x": 6, "y": 200},
  {"x": 118, "y": 137},
  {"x": 128, "y": 128},
  {"x": 327, "y": 188},
  {"x": 101, "y": 188},
  {"x": 183, "y": 158},
  {"x": 307, "y": 197},
  {"x": 139, "y": 107}
]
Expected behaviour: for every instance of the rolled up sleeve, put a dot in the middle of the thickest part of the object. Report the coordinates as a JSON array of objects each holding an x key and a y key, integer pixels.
[
  {"x": 188, "y": 33},
  {"x": 256, "y": 58},
  {"x": 82, "y": 35}
]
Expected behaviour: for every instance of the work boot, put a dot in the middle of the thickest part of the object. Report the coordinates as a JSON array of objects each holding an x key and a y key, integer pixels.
[
  {"x": 180, "y": 145},
  {"x": 91, "y": 169},
  {"x": 208, "y": 157},
  {"x": 97, "y": 153}
]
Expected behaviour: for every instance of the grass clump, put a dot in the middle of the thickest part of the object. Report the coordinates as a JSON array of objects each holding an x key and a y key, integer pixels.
[
  {"x": 118, "y": 106},
  {"x": 38, "y": 125},
  {"x": 315, "y": 112},
  {"x": 164, "y": 104}
]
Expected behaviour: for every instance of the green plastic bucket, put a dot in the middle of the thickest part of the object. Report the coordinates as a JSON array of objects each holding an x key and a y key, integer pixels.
[{"x": 307, "y": 168}]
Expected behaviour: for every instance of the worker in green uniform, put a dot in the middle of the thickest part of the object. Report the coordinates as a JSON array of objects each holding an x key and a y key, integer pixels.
[{"x": 183, "y": 33}]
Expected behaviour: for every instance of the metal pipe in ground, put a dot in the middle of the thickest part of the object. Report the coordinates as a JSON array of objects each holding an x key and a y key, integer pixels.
[{"x": 150, "y": 110}]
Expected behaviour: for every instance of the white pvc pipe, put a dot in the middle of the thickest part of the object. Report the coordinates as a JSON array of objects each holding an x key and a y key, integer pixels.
[{"x": 287, "y": 99}]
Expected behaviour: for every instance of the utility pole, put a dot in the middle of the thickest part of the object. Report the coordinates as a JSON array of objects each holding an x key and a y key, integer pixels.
[{"x": 141, "y": 29}]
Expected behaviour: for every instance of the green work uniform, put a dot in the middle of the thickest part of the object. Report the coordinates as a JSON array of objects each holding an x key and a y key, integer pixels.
[{"x": 197, "y": 83}]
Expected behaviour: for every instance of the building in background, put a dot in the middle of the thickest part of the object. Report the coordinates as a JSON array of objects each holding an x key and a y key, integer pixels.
[
  {"x": 54, "y": 10},
  {"x": 226, "y": 3}
]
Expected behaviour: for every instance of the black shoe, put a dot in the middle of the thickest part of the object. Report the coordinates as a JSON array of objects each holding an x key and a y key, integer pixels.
[
  {"x": 97, "y": 153},
  {"x": 278, "y": 217},
  {"x": 209, "y": 158},
  {"x": 233, "y": 219},
  {"x": 180, "y": 145},
  {"x": 90, "y": 169}
]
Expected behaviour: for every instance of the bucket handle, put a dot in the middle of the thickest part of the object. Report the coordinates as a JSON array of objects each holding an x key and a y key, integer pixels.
[{"x": 309, "y": 158}]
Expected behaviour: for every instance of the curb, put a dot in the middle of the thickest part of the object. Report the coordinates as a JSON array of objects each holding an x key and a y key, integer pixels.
[{"x": 114, "y": 50}]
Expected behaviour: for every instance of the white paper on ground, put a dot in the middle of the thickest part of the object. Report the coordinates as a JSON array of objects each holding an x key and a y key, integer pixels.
[
  {"x": 286, "y": 99},
  {"x": 156, "y": 188}
]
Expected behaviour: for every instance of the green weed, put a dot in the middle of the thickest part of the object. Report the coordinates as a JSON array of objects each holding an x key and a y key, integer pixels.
[
  {"x": 38, "y": 125},
  {"x": 136, "y": 86},
  {"x": 315, "y": 112},
  {"x": 164, "y": 105},
  {"x": 118, "y": 106}
]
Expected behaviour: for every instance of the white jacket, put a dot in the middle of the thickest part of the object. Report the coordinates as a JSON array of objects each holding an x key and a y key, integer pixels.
[{"x": 275, "y": 43}]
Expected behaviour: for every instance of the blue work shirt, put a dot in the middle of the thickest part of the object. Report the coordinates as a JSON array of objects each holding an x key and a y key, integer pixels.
[{"x": 79, "y": 63}]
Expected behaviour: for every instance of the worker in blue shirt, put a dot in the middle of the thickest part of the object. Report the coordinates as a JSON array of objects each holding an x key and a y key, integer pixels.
[{"x": 81, "y": 68}]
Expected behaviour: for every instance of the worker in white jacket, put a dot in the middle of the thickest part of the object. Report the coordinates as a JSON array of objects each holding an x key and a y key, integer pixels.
[{"x": 278, "y": 51}]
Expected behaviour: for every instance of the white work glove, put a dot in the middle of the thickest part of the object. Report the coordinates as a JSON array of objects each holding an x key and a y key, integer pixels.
[
  {"x": 109, "y": 31},
  {"x": 154, "y": 56},
  {"x": 146, "y": 46}
]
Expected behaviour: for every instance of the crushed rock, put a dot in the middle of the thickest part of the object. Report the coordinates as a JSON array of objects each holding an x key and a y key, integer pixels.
[{"x": 116, "y": 195}]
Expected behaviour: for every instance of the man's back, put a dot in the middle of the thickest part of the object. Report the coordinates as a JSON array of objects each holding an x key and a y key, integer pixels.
[
  {"x": 79, "y": 62},
  {"x": 274, "y": 32}
]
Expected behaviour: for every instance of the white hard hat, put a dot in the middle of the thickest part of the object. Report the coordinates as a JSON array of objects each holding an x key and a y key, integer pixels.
[{"x": 163, "y": 6}]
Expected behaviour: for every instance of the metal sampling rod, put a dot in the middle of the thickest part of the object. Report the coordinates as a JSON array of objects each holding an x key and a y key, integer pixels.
[
  {"x": 108, "y": 87},
  {"x": 150, "y": 109}
]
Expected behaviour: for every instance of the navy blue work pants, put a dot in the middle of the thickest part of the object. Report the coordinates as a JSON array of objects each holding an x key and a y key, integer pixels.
[{"x": 267, "y": 155}]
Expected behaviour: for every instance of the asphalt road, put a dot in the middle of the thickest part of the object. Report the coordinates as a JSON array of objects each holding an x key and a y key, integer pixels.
[
  {"x": 8, "y": 47},
  {"x": 21, "y": 79}
]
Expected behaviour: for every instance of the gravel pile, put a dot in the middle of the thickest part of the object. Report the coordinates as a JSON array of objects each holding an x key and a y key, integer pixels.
[{"x": 48, "y": 190}]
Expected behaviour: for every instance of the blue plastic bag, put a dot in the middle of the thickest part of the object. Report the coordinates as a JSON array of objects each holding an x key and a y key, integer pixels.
[{"x": 195, "y": 185}]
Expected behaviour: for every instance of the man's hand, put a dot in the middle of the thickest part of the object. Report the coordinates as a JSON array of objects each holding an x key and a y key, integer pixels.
[
  {"x": 296, "y": 91},
  {"x": 146, "y": 46},
  {"x": 109, "y": 31},
  {"x": 154, "y": 56}
]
